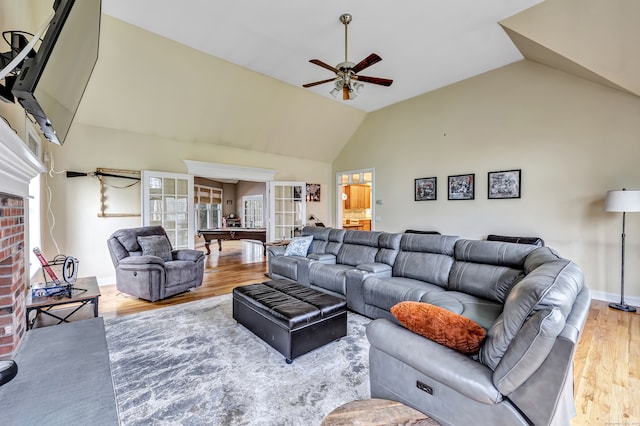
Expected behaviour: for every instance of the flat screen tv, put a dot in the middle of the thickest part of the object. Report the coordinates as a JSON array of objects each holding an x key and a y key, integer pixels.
[{"x": 51, "y": 84}]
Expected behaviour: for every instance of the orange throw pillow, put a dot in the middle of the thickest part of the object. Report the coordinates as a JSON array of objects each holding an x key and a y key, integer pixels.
[{"x": 440, "y": 325}]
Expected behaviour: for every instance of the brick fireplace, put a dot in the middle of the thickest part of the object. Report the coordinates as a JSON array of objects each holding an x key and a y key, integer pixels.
[
  {"x": 13, "y": 283},
  {"x": 18, "y": 165}
]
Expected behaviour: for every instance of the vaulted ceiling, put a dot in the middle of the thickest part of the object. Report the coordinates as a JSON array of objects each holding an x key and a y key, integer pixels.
[{"x": 230, "y": 73}]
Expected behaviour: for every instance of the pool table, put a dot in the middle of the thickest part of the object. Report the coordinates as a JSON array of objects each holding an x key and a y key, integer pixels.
[{"x": 259, "y": 234}]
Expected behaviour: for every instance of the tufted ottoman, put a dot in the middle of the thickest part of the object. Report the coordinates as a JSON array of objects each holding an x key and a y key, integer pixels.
[{"x": 293, "y": 319}]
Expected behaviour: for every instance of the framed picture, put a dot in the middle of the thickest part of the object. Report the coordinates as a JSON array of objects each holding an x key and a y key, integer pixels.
[
  {"x": 313, "y": 192},
  {"x": 426, "y": 189},
  {"x": 462, "y": 187},
  {"x": 504, "y": 184}
]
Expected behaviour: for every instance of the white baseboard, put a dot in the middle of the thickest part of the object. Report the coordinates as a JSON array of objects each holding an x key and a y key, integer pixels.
[
  {"x": 613, "y": 297},
  {"x": 106, "y": 280}
]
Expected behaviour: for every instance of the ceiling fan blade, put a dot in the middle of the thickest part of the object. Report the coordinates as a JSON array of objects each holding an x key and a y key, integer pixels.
[
  {"x": 327, "y": 66},
  {"x": 373, "y": 80},
  {"x": 345, "y": 93},
  {"x": 318, "y": 82},
  {"x": 366, "y": 62}
]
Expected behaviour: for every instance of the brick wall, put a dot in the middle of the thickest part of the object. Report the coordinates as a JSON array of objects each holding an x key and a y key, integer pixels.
[{"x": 12, "y": 273}]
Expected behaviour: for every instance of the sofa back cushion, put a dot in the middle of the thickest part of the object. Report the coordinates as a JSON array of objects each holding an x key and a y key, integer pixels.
[
  {"x": 336, "y": 238},
  {"x": 320, "y": 238},
  {"x": 358, "y": 247},
  {"x": 124, "y": 242},
  {"x": 554, "y": 283},
  {"x": 129, "y": 237},
  {"x": 425, "y": 257},
  {"x": 487, "y": 269},
  {"x": 389, "y": 246}
]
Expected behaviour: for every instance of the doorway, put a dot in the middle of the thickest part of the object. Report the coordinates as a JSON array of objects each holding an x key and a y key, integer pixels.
[{"x": 354, "y": 199}]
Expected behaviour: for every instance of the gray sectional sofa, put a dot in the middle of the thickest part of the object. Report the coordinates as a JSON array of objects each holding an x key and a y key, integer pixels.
[{"x": 532, "y": 303}]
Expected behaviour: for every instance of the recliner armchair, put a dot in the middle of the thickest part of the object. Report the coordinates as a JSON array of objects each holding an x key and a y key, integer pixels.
[{"x": 147, "y": 267}]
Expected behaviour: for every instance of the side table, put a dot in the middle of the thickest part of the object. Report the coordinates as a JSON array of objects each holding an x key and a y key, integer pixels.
[
  {"x": 86, "y": 292},
  {"x": 376, "y": 412}
]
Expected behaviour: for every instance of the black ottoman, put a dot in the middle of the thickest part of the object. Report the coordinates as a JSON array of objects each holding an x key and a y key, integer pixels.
[{"x": 293, "y": 319}]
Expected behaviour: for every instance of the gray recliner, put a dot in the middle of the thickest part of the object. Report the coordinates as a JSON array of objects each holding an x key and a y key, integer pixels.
[{"x": 156, "y": 271}]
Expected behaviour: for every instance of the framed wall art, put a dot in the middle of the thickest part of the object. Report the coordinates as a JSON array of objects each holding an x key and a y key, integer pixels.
[
  {"x": 504, "y": 184},
  {"x": 313, "y": 192},
  {"x": 426, "y": 189},
  {"x": 462, "y": 187}
]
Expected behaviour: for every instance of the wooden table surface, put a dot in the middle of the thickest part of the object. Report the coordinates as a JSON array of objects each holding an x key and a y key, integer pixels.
[{"x": 377, "y": 412}]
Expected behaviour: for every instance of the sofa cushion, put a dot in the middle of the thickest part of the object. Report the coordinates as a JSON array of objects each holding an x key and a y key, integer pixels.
[
  {"x": 298, "y": 246},
  {"x": 385, "y": 292},
  {"x": 555, "y": 283},
  {"x": 156, "y": 245},
  {"x": 329, "y": 277},
  {"x": 488, "y": 269},
  {"x": 425, "y": 257},
  {"x": 484, "y": 312},
  {"x": 440, "y": 325},
  {"x": 336, "y": 238},
  {"x": 493, "y": 253},
  {"x": 389, "y": 246},
  {"x": 490, "y": 282},
  {"x": 528, "y": 350},
  {"x": 129, "y": 237},
  {"x": 320, "y": 238},
  {"x": 358, "y": 247}
]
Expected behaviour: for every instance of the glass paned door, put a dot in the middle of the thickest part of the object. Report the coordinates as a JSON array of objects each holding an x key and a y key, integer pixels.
[
  {"x": 167, "y": 200},
  {"x": 253, "y": 211},
  {"x": 288, "y": 209}
]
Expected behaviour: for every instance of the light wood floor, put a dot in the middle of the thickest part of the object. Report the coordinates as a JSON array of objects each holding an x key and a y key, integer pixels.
[{"x": 607, "y": 361}]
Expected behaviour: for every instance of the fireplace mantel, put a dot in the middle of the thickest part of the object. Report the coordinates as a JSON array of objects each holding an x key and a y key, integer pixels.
[{"x": 18, "y": 165}]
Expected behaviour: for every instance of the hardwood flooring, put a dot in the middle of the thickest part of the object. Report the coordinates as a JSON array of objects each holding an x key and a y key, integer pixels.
[
  {"x": 239, "y": 263},
  {"x": 606, "y": 366}
]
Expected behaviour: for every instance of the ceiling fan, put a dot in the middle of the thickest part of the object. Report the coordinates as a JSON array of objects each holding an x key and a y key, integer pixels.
[{"x": 347, "y": 79}]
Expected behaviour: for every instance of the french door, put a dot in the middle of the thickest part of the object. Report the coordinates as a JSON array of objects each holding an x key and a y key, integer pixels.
[
  {"x": 167, "y": 200},
  {"x": 288, "y": 209}
]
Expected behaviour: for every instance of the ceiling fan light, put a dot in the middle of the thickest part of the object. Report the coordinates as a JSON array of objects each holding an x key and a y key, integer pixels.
[
  {"x": 352, "y": 93},
  {"x": 334, "y": 92},
  {"x": 357, "y": 87}
]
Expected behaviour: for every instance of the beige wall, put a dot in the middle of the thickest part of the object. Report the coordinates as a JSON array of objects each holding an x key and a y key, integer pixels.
[
  {"x": 76, "y": 201},
  {"x": 573, "y": 140}
]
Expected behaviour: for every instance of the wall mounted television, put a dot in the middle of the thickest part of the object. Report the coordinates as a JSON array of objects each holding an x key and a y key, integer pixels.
[{"x": 51, "y": 84}]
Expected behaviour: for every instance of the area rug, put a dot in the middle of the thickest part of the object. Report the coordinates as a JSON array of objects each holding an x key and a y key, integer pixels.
[{"x": 192, "y": 364}]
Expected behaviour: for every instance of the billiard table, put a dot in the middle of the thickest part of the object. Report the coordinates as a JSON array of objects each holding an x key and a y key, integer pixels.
[{"x": 258, "y": 234}]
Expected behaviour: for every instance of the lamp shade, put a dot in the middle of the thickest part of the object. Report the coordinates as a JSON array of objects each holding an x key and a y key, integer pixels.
[{"x": 622, "y": 201}]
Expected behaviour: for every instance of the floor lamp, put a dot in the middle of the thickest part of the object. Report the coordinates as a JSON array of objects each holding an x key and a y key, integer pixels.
[{"x": 622, "y": 201}]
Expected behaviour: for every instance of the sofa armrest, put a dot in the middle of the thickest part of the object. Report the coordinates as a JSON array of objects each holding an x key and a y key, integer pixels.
[
  {"x": 273, "y": 251},
  {"x": 377, "y": 269},
  {"x": 327, "y": 258},
  {"x": 447, "y": 366},
  {"x": 187, "y": 254},
  {"x": 141, "y": 261}
]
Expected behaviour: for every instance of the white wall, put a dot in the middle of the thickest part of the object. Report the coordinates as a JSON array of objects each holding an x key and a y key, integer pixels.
[{"x": 573, "y": 140}]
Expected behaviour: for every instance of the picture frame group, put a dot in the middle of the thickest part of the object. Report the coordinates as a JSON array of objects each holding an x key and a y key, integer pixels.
[{"x": 502, "y": 184}]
